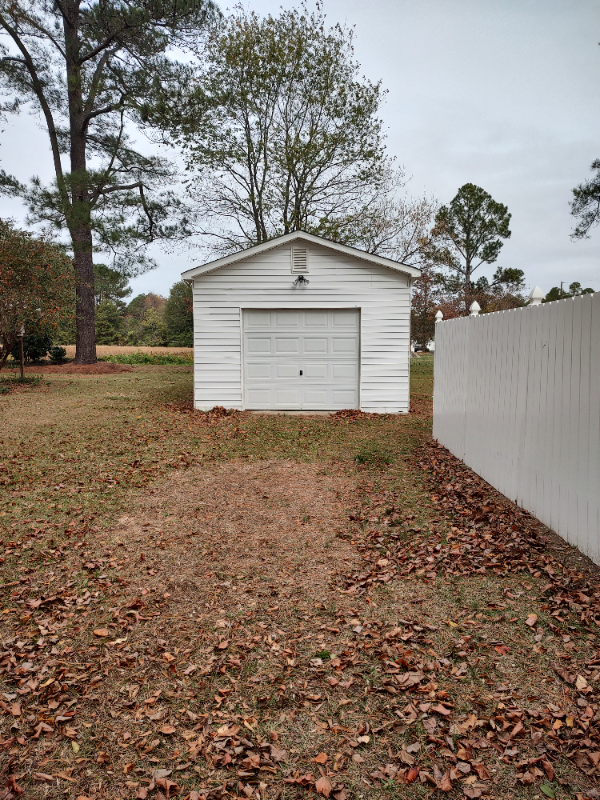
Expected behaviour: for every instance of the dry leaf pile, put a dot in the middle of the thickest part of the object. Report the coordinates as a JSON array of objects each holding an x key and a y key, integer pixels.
[{"x": 487, "y": 535}]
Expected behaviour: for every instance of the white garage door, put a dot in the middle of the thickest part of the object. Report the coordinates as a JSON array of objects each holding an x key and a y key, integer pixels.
[{"x": 301, "y": 359}]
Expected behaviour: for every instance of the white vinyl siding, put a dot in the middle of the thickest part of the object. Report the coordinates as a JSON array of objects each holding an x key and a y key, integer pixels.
[{"x": 337, "y": 281}]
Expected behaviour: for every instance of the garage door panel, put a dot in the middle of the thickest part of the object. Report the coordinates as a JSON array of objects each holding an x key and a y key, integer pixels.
[
  {"x": 301, "y": 359},
  {"x": 258, "y": 370},
  {"x": 345, "y": 345},
  {"x": 317, "y": 370},
  {"x": 258, "y": 398},
  {"x": 316, "y": 319},
  {"x": 340, "y": 372},
  {"x": 315, "y": 346},
  {"x": 287, "y": 396},
  {"x": 345, "y": 319},
  {"x": 315, "y": 397},
  {"x": 286, "y": 345},
  {"x": 286, "y": 370},
  {"x": 287, "y": 319},
  {"x": 346, "y": 398},
  {"x": 259, "y": 345},
  {"x": 257, "y": 319}
]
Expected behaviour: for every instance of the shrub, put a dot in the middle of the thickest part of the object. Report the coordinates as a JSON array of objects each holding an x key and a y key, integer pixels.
[
  {"x": 36, "y": 288},
  {"x": 35, "y": 346},
  {"x": 57, "y": 354}
]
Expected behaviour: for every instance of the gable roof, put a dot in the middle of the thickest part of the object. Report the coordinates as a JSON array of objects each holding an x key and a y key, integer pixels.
[{"x": 242, "y": 255}]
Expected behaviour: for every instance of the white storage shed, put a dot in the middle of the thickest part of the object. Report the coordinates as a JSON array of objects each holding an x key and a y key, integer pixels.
[{"x": 302, "y": 324}]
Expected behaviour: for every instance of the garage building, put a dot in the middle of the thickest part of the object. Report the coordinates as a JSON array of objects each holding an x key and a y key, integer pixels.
[{"x": 302, "y": 324}]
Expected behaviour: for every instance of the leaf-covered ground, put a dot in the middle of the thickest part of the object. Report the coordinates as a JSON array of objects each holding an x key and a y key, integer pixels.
[{"x": 245, "y": 606}]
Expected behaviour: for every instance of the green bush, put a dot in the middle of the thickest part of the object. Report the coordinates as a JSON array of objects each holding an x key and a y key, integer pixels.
[
  {"x": 35, "y": 347},
  {"x": 149, "y": 358},
  {"x": 57, "y": 354}
]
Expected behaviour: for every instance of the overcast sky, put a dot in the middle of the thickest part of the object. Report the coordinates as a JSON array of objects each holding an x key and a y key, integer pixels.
[{"x": 501, "y": 93}]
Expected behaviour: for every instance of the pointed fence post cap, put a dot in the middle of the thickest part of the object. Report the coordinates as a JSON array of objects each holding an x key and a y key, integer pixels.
[
  {"x": 474, "y": 308},
  {"x": 438, "y": 316},
  {"x": 536, "y": 296}
]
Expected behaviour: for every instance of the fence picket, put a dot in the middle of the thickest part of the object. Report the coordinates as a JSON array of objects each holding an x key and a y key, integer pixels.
[{"x": 517, "y": 397}]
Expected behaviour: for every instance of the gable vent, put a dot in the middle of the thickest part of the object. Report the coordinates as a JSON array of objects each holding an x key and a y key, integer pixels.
[{"x": 299, "y": 259}]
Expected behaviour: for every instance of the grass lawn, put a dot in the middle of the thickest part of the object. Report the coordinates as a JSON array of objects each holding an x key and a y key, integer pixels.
[{"x": 247, "y": 606}]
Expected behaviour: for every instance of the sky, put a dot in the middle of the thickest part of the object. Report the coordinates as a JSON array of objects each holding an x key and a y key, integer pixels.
[{"x": 501, "y": 93}]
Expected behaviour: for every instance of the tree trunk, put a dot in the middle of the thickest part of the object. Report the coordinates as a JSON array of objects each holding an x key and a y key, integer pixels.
[
  {"x": 79, "y": 215},
  {"x": 467, "y": 285},
  {"x": 85, "y": 349}
]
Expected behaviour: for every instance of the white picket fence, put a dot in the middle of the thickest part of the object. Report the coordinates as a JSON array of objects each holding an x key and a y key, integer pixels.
[{"x": 517, "y": 398}]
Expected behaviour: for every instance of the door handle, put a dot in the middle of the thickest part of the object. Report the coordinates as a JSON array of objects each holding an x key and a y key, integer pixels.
[{"x": 300, "y": 372}]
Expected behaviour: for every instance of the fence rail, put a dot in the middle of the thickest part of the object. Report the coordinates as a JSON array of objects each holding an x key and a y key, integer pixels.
[{"x": 517, "y": 398}]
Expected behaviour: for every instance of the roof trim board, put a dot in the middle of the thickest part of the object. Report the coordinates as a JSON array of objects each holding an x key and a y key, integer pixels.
[{"x": 242, "y": 255}]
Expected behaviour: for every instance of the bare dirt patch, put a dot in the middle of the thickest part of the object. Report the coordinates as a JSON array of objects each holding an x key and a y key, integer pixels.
[{"x": 273, "y": 523}]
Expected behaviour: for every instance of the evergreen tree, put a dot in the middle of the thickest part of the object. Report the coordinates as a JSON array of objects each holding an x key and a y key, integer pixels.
[
  {"x": 467, "y": 234},
  {"x": 586, "y": 204},
  {"x": 110, "y": 284},
  {"x": 109, "y": 323},
  {"x": 178, "y": 315}
]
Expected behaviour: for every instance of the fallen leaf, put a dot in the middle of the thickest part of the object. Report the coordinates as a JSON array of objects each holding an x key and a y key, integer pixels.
[
  {"x": 548, "y": 769},
  {"x": 42, "y": 776},
  {"x": 446, "y": 784},
  {"x": 101, "y": 632},
  {"x": 323, "y": 786},
  {"x": 531, "y": 620},
  {"x": 581, "y": 682},
  {"x": 321, "y": 758},
  {"x": 167, "y": 729}
]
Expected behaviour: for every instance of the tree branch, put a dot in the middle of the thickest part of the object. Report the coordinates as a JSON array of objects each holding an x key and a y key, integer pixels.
[
  {"x": 95, "y": 81},
  {"x": 39, "y": 92},
  {"x": 102, "y": 46},
  {"x": 98, "y": 112},
  {"x": 121, "y": 188}
]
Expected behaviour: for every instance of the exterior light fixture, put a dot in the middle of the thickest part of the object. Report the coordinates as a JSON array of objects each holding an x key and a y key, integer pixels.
[{"x": 301, "y": 281}]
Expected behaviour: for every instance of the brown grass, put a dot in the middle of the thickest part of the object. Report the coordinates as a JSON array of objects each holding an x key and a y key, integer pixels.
[{"x": 114, "y": 350}]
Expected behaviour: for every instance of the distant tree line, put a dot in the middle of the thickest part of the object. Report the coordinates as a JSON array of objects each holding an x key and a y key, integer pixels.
[{"x": 147, "y": 320}]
